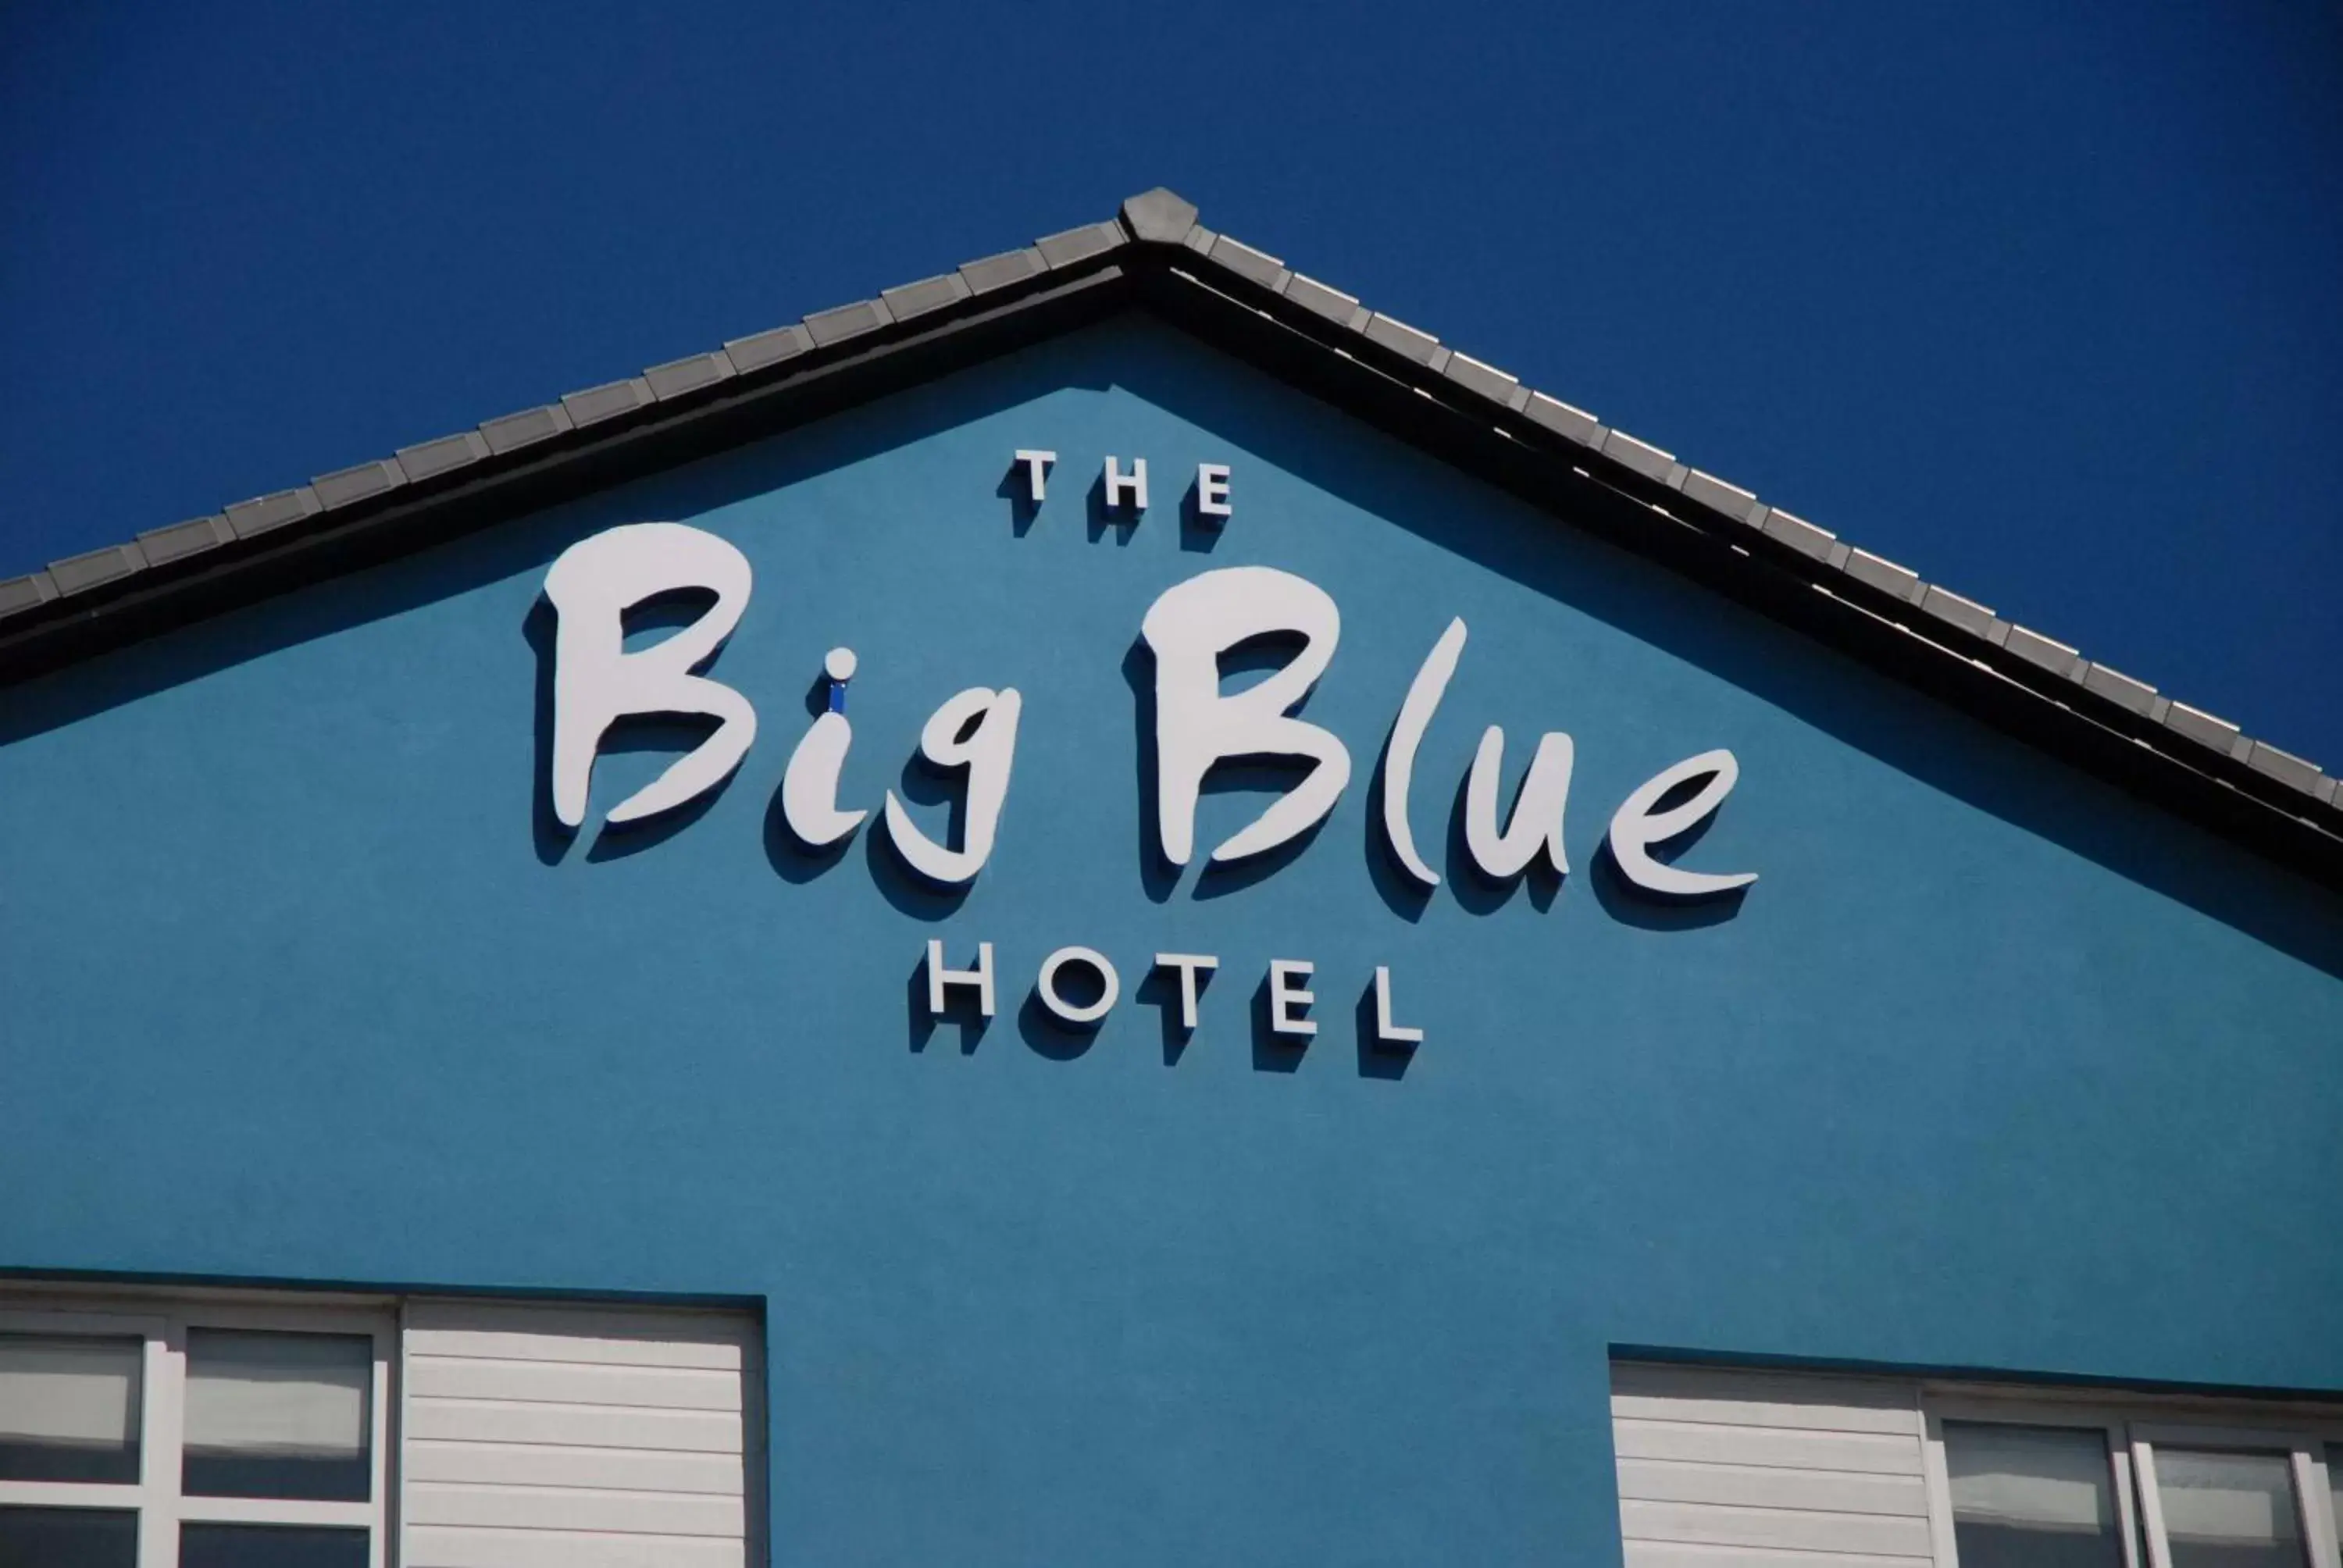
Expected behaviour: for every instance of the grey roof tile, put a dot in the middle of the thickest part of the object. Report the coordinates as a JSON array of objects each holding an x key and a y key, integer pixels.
[
  {"x": 1401, "y": 339},
  {"x": 1796, "y": 532},
  {"x": 1160, "y": 216},
  {"x": 1641, "y": 456},
  {"x": 427, "y": 459},
  {"x": 1075, "y": 244},
  {"x": 2201, "y": 727},
  {"x": 761, "y": 349},
  {"x": 511, "y": 432},
  {"x": 1000, "y": 271},
  {"x": 678, "y": 376},
  {"x": 1562, "y": 418},
  {"x": 264, "y": 513},
  {"x": 1156, "y": 218},
  {"x": 912, "y": 299},
  {"x": 1879, "y": 572},
  {"x": 191, "y": 538},
  {"x": 1716, "y": 495},
  {"x": 2283, "y": 766},
  {"x": 2119, "y": 688},
  {"x": 1485, "y": 379},
  {"x": 1257, "y": 266},
  {"x": 344, "y": 486},
  {"x": 1965, "y": 613},
  {"x": 1313, "y": 295},
  {"x": 607, "y": 401},
  {"x": 842, "y": 322},
  {"x": 2037, "y": 650},
  {"x": 1726, "y": 499},
  {"x": 79, "y": 574},
  {"x": 18, "y": 594}
]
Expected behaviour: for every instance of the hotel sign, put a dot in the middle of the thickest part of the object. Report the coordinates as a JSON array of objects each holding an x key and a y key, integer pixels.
[{"x": 598, "y": 683}]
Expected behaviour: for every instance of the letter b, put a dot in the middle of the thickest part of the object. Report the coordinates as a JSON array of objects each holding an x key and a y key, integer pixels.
[
  {"x": 597, "y": 682},
  {"x": 1188, "y": 628}
]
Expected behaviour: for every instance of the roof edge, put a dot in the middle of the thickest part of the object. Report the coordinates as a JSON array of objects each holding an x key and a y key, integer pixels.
[{"x": 101, "y": 598}]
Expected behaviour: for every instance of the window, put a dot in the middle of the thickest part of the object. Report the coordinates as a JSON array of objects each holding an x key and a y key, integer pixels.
[
  {"x": 2335, "y": 1484},
  {"x": 1800, "y": 1470},
  {"x": 2244, "y": 1498},
  {"x": 2049, "y": 1483},
  {"x": 270, "y": 1431},
  {"x": 2032, "y": 1496},
  {"x": 193, "y": 1435}
]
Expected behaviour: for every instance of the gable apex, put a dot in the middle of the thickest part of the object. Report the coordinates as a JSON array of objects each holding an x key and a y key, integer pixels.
[{"x": 1156, "y": 255}]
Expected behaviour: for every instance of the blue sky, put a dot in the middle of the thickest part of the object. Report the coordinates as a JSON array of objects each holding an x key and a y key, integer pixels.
[{"x": 2045, "y": 301}]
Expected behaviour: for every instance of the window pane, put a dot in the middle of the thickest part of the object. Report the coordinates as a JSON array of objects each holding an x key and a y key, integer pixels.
[
  {"x": 68, "y": 1408},
  {"x": 277, "y": 1415},
  {"x": 2031, "y": 1497},
  {"x": 68, "y": 1537},
  {"x": 2335, "y": 1481},
  {"x": 270, "y": 1546},
  {"x": 2229, "y": 1510}
]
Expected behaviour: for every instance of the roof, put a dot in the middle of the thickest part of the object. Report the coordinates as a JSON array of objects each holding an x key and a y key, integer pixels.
[{"x": 1155, "y": 254}]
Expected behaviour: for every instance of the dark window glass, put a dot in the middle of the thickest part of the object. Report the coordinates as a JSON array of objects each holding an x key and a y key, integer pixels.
[
  {"x": 277, "y": 1415},
  {"x": 2031, "y": 1497},
  {"x": 68, "y": 1537},
  {"x": 270, "y": 1546},
  {"x": 2335, "y": 1480},
  {"x": 70, "y": 1408},
  {"x": 2229, "y": 1510}
]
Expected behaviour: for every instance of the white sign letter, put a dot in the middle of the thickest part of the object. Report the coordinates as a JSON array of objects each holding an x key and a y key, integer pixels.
[
  {"x": 1127, "y": 490},
  {"x": 939, "y": 976},
  {"x": 1211, "y": 490},
  {"x": 987, "y": 753},
  {"x": 1386, "y": 1030},
  {"x": 1037, "y": 469},
  {"x": 596, "y": 681},
  {"x": 1285, "y": 996},
  {"x": 1537, "y": 809},
  {"x": 809, "y": 786},
  {"x": 1110, "y": 987},
  {"x": 1188, "y": 628},
  {"x": 1424, "y": 696},
  {"x": 1188, "y": 964},
  {"x": 1636, "y": 827}
]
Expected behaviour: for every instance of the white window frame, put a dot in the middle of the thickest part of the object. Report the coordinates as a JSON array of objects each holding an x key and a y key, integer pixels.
[
  {"x": 2301, "y": 1447},
  {"x": 161, "y": 1324},
  {"x": 2135, "y": 1428},
  {"x": 1991, "y": 1412}
]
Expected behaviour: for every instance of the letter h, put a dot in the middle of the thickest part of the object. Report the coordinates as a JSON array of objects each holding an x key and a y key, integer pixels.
[{"x": 939, "y": 976}]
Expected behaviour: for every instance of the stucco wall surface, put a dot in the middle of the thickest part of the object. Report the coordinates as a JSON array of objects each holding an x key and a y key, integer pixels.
[{"x": 1994, "y": 1068}]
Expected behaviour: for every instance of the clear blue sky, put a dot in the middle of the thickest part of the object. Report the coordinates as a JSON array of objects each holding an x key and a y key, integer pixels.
[{"x": 2045, "y": 301}]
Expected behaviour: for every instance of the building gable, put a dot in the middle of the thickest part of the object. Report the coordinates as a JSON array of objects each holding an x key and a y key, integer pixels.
[
  {"x": 1996, "y": 1067},
  {"x": 1157, "y": 256}
]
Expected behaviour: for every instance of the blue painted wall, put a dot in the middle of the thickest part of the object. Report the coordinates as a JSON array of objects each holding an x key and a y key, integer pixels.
[{"x": 1994, "y": 1068}]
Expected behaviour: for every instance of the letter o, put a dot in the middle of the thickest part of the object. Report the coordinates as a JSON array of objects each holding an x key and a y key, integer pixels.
[{"x": 1065, "y": 1011}]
